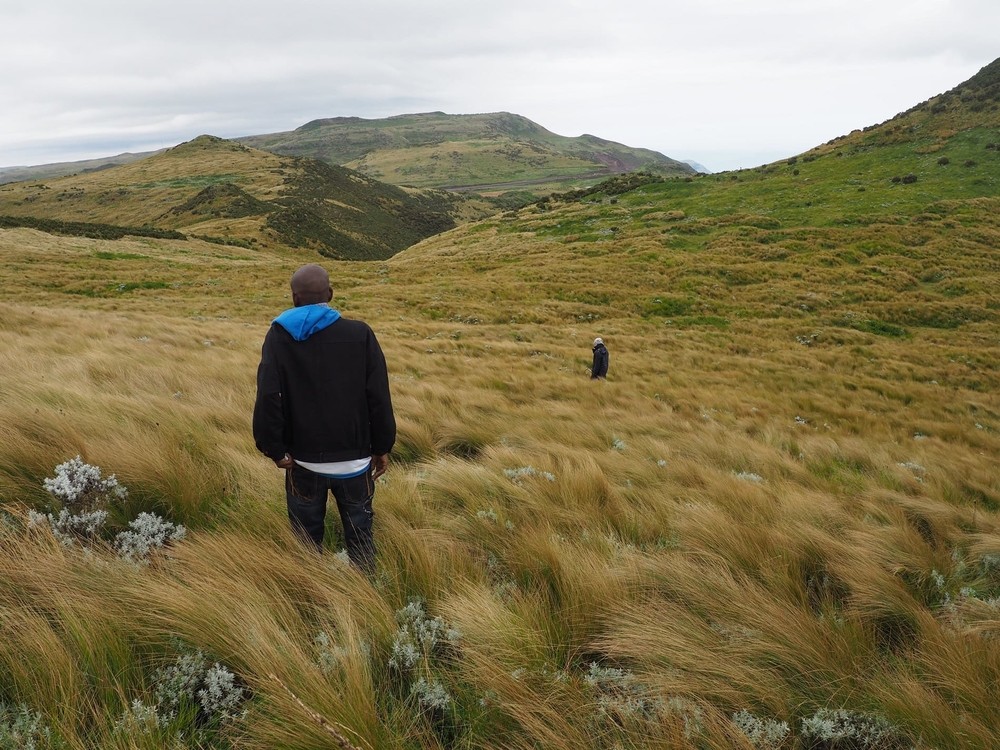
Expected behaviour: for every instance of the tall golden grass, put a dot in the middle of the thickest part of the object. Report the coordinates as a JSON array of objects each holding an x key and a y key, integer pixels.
[{"x": 736, "y": 520}]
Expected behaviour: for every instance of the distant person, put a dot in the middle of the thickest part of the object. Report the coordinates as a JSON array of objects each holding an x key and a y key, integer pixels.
[
  {"x": 323, "y": 414},
  {"x": 599, "y": 370}
]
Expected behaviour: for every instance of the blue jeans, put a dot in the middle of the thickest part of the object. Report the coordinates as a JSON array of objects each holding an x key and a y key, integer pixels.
[{"x": 306, "y": 493}]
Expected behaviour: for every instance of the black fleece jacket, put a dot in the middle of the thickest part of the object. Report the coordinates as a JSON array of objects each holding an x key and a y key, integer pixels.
[{"x": 325, "y": 398}]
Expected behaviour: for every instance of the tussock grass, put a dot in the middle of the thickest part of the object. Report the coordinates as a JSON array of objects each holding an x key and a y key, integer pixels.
[{"x": 795, "y": 510}]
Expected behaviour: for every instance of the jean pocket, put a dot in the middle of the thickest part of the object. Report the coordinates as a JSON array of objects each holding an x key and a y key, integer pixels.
[{"x": 302, "y": 484}]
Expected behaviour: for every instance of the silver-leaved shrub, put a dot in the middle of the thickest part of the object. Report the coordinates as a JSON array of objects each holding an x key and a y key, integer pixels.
[
  {"x": 24, "y": 729},
  {"x": 147, "y": 534},
  {"x": 188, "y": 690},
  {"x": 70, "y": 527},
  {"x": 431, "y": 695},
  {"x": 420, "y": 642},
  {"x": 80, "y": 499},
  {"x": 419, "y": 637},
  {"x": 842, "y": 729},
  {"x": 80, "y": 486},
  {"x": 620, "y": 694},
  {"x": 763, "y": 734}
]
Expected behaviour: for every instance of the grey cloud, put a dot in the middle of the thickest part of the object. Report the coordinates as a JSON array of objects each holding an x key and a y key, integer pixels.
[{"x": 667, "y": 75}]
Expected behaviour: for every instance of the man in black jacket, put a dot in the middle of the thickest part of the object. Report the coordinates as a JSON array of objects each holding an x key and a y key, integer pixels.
[
  {"x": 599, "y": 370},
  {"x": 324, "y": 415}
]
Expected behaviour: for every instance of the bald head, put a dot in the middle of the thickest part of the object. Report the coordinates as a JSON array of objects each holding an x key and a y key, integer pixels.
[{"x": 311, "y": 286}]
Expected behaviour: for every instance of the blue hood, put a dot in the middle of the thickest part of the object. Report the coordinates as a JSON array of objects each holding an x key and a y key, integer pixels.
[{"x": 302, "y": 322}]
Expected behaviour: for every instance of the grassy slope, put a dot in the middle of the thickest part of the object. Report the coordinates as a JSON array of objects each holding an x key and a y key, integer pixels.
[
  {"x": 488, "y": 152},
  {"x": 215, "y": 188},
  {"x": 785, "y": 497}
]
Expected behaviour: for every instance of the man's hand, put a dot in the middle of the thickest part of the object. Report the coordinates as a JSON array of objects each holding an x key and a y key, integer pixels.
[
  {"x": 285, "y": 462},
  {"x": 379, "y": 465}
]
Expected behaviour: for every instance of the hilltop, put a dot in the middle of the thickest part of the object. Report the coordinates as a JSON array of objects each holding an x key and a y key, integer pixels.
[
  {"x": 226, "y": 192},
  {"x": 487, "y": 153}
]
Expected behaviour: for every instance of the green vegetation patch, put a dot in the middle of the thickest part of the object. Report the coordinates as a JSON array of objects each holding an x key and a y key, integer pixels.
[
  {"x": 667, "y": 307},
  {"x": 107, "y": 255},
  {"x": 112, "y": 290},
  {"x": 879, "y": 328},
  {"x": 131, "y": 286},
  {"x": 587, "y": 297},
  {"x": 367, "y": 221},
  {"x": 713, "y": 321},
  {"x": 191, "y": 181},
  {"x": 941, "y": 315},
  {"x": 87, "y": 229},
  {"x": 224, "y": 200}
]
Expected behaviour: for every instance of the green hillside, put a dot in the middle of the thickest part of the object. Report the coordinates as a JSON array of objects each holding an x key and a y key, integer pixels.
[
  {"x": 488, "y": 153},
  {"x": 232, "y": 194},
  {"x": 885, "y": 230}
]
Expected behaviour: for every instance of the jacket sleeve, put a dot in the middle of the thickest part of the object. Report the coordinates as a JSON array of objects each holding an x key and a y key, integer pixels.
[
  {"x": 268, "y": 416},
  {"x": 380, "y": 416},
  {"x": 596, "y": 366}
]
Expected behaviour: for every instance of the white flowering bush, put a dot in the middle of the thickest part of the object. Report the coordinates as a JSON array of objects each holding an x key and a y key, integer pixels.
[
  {"x": 689, "y": 713},
  {"x": 763, "y": 734},
  {"x": 80, "y": 498},
  {"x": 620, "y": 694},
  {"x": 622, "y": 701},
  {"x": 138, "y": 719},
  {"x": 490, "y": 516},
  {"x": 420, "y": 647},
  {"x": 146, "y": 534},
  {"x": 189, "y": 695},
  {"x": 24, "y": 729},
  {"x": 329, "y": 656},
  {"x": 431, "y": 696},
  {"x": 69, "y": 527},
  {"x": 419, "y": 637},
  {"x": 79, "y": 485},
  {"x": 841, "y": 729},
  {"x": 191, "y": 681},
  {"x": 177, "y": 685},
  {"x": 524, "y": 472},
  {"x": 219, "y": 696}
]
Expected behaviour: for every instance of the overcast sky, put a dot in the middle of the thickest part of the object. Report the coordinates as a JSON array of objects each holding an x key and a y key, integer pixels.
[{"x": 727, "y": 83}]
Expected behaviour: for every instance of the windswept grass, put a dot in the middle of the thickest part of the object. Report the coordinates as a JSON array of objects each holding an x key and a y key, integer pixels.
[{"x": 788, "y": 517}]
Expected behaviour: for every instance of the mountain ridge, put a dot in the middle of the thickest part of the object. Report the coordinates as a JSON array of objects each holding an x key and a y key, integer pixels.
[
  {"x": 490, "y": 145},
  {"x": 494, "y": 152}
]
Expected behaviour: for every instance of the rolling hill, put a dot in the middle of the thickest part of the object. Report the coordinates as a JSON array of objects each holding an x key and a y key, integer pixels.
[
  {"x": 229, "y": 193},
  {"x": 486, "y": 153}
]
